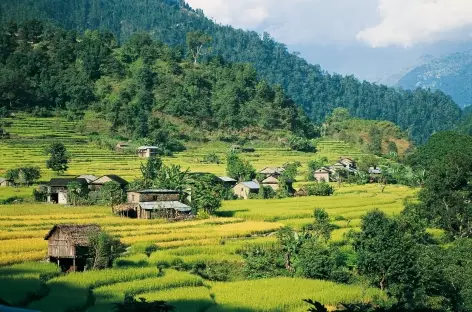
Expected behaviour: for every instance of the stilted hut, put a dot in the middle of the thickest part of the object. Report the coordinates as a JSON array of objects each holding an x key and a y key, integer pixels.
[{"x": 68, "y": 245}]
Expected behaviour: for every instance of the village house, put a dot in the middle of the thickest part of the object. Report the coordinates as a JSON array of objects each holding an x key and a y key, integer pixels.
[
  {"x": 147, "y": 151},
  {"x": 243, "y": 189},
  {"x": 57, "y": 189},
  {"x": 88, "y": 177},
  {"x": 154, "y": 203},
  {"x": 274, "y": 184},
  {"x": 272, "y": 171},
  {"x": 227, "y": 182},
  {"x": 4, "y": 182},
  {"x": 322, "y": 175},
  {"x": 348, "y": 163},
  {"x": 98, "y": 183},
  {"x": 68, "y": 245},
  {"x": 121, "y": 146}
]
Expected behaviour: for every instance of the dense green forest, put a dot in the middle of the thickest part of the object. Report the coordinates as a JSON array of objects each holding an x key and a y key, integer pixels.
[
  {"x": 419, "y": 112},
  {"x": 48, "y": 71}
]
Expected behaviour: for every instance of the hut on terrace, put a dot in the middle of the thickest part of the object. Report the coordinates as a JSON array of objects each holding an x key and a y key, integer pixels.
[{"x": 68, "y": 245}]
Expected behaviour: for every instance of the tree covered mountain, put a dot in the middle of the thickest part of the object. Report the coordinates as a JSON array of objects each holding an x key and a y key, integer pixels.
[
  {"x": 134, "y": 90},
  {"x": 419, "y": 112},
  {"x": 451, "y": 74}
]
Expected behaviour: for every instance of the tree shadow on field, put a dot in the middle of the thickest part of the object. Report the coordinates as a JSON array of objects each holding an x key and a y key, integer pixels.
[
  {"x": 203, "y": 306},
  {"x": 230, "y": 213}
]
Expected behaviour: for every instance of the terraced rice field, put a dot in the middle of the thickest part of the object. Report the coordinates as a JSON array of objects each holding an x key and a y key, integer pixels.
[
  {"x": 23, "y": 226},
  {"x": 30, "y": 136},
  {"x": 37, "y": 284}
]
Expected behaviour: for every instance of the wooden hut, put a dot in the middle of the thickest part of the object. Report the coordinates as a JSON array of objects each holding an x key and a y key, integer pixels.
[{"x": 68, "y": 245}]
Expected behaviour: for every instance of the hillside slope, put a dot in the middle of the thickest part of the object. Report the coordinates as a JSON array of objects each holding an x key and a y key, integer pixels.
[
  {"x": 421, "y": 113},
  {"x": 451, "y": 74}
]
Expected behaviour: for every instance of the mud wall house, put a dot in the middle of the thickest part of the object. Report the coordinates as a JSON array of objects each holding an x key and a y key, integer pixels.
[
  {"x": 98, "y": 183},
  {"x": 68, "y": 245},
  {"x": 57, "y": 189},
  {"x": 147, "y": 151},
  {"x": 322, "y": 175},
  {"x": 154, "y": 204},
  {"x": 243, "y": 189},
  {"x": 271, "y": 182},
  {"x": 272, "y": 171}
]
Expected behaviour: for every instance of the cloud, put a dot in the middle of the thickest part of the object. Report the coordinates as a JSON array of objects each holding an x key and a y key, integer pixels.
[
  {"x": 409, "y": 22},
  {"x": 295, "y": 21}
]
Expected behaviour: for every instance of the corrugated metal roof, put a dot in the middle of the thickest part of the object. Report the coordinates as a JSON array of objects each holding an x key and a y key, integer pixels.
[
  {"x": 227, "y": 179},
  {"x": 251, "y": 185},
  {"x": 178, "y": 206}
]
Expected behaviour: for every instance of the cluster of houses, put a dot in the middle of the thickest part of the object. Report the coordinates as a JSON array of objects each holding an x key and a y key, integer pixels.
[{"x": 331, "y": 173}]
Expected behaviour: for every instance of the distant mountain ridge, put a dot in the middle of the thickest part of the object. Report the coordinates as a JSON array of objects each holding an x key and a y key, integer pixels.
[
  {"x": 451, "y": 74},
  {"x": 420, "y": 112}
]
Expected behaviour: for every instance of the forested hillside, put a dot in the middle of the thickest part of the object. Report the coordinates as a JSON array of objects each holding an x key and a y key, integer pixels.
[
  {"x": 142, "y": 89},
  {"x": 419, "y": 112},
  {"x": 451, "y": 74}
]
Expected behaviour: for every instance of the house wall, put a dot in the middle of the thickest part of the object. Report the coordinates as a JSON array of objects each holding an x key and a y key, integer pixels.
[
  {"x": 147, "y": 153},
  {"x": 322, "y": 177},
  {"x": 134, "y": 197},
  {"x": 242, "y": 191},
  {"x": 59, "y": 246},
  {"x": 63, "y": 198}
]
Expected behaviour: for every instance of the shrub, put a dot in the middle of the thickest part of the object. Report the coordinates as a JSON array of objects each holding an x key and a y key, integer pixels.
[
  {"x": 301, "y": 145},
  {"x": 40, "y": 193},
  {"x": 319, "y": 189},
  {"x": 211, "y": 158},
  {"x": 264, "y": 262},
  {"x": 216, "y": 271}
]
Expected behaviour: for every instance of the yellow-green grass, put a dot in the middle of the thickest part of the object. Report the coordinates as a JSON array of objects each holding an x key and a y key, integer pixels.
[
  {"x": 185, "y": 299},
  {"x": 106, "y": 296},
  {"x": 31, "y": 135},
  {"x": 284, "y": 294},
  {"x": 14, "y": 192}
]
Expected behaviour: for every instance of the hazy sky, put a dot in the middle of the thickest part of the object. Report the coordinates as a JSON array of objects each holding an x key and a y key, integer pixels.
[{"x": 370, "y": 38}]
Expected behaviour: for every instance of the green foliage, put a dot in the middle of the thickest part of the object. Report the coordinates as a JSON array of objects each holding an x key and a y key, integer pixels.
[
  {"x": 388, "y": 257},
  {"x": 59, "y": 157},
  {"x": 211, "y": 158},
  {"x": 301, "y": 144},
  {"x": 76, "y": 193},
  {"x": 172, "y": 178},
  {"x": 219, "y": 271},
  {"x": 150, "y": 170},
  {"x": 207, "y": 196},
  {"x": 103, "y": 249},
  {"x": 263, "y": 262},
  {"x": 23, "y": 176},
  {"x": 239, "y": 169},
  {"x": 196, "y": 44},
  {"x": 318, "y": 92},
  {"x": 40, "y": 193},
  {"x": 314, "y": 165},
  {"x": 111, "y": 194},
  {"x": 318, "y": 189},
  {"x": 321, "y": 227}
]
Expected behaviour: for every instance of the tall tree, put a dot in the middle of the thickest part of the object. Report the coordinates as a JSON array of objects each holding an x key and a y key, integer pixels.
[
  {"x": 197, "y": 42},
  {"x": 58, "y": 157}
]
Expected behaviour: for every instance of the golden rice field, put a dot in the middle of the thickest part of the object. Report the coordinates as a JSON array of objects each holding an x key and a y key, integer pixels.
[
  {"x": 36, "y": 284},
  {"x": 240, "y": 223}
]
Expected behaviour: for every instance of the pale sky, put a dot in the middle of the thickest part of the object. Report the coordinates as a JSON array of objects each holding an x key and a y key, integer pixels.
[{"x": 377, "y": 23}]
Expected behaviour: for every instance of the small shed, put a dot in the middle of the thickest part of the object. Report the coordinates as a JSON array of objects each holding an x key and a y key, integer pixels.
[
  {"x": 243, "y": 189},
  {"x": 121, "y": 146},
  {"x": 68, "y": 245},
  {"x": 98, "y": 183},
  {"x": 4, "y": 182},
  {"x": 163, "y": 209},
  {"x": 375, "y": 171},
  {"x": 227, "y": 182},
  {"x": 147, "y": 151},
  {"x": 322, "y": 175}
]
